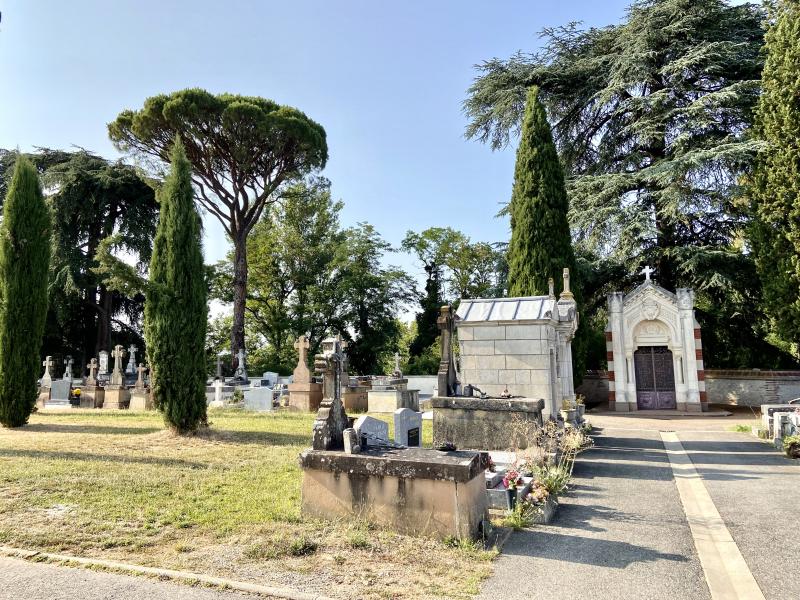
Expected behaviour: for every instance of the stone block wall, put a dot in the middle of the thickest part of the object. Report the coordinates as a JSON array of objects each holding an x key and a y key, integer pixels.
[
  {"x": 739, "y": 387},
  {"x": 494, "y": 357}
]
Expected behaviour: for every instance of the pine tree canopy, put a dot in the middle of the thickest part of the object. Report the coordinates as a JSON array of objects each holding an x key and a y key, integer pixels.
[
  {"x": 24, "y": 263},
  {"x": 540, "y": 246},
  {"x": 776, "y": 189},
  {"x": 175, "y": 314}
]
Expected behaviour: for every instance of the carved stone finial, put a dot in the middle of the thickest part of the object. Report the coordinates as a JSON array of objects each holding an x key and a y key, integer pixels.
[{"x": 566, "y": 294}]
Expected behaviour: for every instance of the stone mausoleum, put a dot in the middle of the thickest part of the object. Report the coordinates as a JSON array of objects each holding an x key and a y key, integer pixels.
[{"x": 655, "y": 353}]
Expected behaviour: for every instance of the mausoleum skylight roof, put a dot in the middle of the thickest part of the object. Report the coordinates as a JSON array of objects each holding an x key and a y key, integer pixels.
[{"x": 528, "y": 308}]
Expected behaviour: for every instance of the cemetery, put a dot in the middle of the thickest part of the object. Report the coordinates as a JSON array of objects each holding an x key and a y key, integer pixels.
[{"x": 293, "y": 350}]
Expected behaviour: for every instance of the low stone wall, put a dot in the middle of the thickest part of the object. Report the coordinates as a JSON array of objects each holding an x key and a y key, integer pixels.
[{"x": 739, "y": 387}]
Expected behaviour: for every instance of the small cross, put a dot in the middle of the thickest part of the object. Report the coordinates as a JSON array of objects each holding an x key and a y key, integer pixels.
[
  {"x": 302, "y": 345},
  {"x": 92, "y": 366},
  {"x": 48, "y": 362},
  {"x": 646, "y": 272},
  {"x": 140, "y": 380}
]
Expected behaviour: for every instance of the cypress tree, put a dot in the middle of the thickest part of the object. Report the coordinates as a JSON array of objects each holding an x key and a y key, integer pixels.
[
  {"x": 776, "y": 189},
  {"x": 175, "y": 313},
  {"x": 541, "y": 246},
  {"x": 24, "y": 264}
]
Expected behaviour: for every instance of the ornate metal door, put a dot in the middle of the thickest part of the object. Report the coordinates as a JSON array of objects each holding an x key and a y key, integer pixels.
[{"x": 655, "y": 378}]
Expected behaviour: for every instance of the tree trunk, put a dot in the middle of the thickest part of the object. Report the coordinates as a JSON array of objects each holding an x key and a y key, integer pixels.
[{"x": 239, "y": 296}]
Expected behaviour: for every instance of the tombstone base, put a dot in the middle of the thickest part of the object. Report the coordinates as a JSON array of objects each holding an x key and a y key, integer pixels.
[
  {"x": 412, "y": 491},
  {"x": 485, "y": 424},
  {"x": 116, "y": 397},
  {"x": 355, "y": 399},
  {"x": 141, "y": 400},
  {"x": 305, "y": 397},
  {"x": 92, "y": 397},
  {"x": 44, "y": 396}
]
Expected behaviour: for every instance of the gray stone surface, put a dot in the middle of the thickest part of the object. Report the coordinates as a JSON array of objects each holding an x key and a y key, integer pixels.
[
  {"x": 23, "y": 580},
  {"x": 620, "y": 533},
  {"x": 407, "y": 427},
  {"x": 59, "y": 393},
  {"x": 371, "y": 430}
]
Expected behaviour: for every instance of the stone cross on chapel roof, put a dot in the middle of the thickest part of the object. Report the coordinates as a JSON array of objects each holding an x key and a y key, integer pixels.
[{"x": 647, "y": 272}]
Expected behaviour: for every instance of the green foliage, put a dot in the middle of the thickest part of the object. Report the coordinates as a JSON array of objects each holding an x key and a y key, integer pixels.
[
  {"x": 776, "y": 181},
  {"x": 243, "y": 151},
  {"x": 540, "y": 245},
  {"x": 24, "y": 261},
  {"x": 651, "y": 120},
  {"x": 98, "y": 207},
  {"x": 176, "y": 310},
  {"x": 554, "y": 478}
]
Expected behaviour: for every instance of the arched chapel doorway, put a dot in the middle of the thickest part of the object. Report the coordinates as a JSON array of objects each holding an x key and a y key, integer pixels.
[{"x": 655, "y": 378}]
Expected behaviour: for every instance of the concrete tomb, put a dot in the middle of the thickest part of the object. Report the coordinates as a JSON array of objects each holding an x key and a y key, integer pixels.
[
  {"x": 655, "y": 352},
  {"x": 304, "y": 394},
  {"x": 388, "y": 394},
  {"x": 141, "y": 397}
]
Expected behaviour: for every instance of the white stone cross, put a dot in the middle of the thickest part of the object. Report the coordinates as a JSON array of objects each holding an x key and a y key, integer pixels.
[
  {"x": 47, "y": 379},
  {"x": 68, "y": 368},
  {"x": 116, "y": 375},
  {"x": 646, "y": 272},
  {"x": 140, "y": 379},
  {"x": 131, "y": 368}
]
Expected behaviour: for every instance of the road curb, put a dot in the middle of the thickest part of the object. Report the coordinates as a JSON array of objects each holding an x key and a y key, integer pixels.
[{"x": 242, "y": 586}]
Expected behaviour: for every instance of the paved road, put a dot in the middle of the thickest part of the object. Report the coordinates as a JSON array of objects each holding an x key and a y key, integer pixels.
[
  {"x": 622, "y": 531},
  {"x": 23, "y": 580}
]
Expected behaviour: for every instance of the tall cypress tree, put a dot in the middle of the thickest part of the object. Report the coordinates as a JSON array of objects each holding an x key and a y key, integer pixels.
[
  {"x": 541, "y": 245},
  {"x": 24, "y": 264},
  {"x": 175, "y": 314},
  {"x": 776, "y": 190}
]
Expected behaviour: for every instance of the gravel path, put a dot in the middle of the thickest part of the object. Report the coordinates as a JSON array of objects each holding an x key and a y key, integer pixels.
[{"x": 24, "y": 580}]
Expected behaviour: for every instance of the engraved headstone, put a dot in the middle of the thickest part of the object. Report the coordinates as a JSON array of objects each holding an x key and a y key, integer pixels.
[
  {"x": 301, "y": 371},
  {"x": 241, "y": 366},
  {"x": 59, "y": 394},
  {"x": 91, "y": 380},
  {"x": 116, "y": 375},
  {"x": 407, "y": 427},
  {"x": 371, "y": 431},
  {"x": 131, "y": 368},
  {"x": 140, "y": 370},
  {"x": 68, "y": 368},
  {"x": 103, "y": 370}
]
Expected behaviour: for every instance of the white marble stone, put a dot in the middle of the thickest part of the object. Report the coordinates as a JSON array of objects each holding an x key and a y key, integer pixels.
[{"x": 407, "y": 423}]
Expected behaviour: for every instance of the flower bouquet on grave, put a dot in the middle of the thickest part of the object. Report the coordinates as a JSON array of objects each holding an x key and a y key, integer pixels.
[
  {"x": 791, "y": 445},
  {"x": 538, "y": 493},
  {"x": 512, "y": 479}
]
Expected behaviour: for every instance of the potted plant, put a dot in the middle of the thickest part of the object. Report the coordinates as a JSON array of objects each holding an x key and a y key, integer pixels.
[
  {"x": 568, "y": 411},
  {"x": 580, "y": 406},
  {"x": 791, "y": 445},
  {"x": 510, "y": 481}
]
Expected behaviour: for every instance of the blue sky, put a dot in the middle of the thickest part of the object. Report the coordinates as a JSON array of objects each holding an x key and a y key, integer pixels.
[{"x": 385, "y": 79}]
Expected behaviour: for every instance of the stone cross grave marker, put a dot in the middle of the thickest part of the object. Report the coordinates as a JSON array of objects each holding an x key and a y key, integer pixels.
[
  {"x": 47, "y": 379},
  {"x": 131, "y": 368},
  {"x": 91, "y": 380},
  {"x": 408, "y": 427},
  {"x": 140, "y": 379},
  {"x": 647, "y": 271},
  {"x": 103, "y": 370},
  {"x": 68, "y": 369},
  {"x": 371, "y": 431},
  {"x": 241, "y": 368},
  {"x": 398, "y": 374},
  {"x": 116, "y": 375},
  {"x": 219, "y": 367},
  {"x": 301, "y": 372}
]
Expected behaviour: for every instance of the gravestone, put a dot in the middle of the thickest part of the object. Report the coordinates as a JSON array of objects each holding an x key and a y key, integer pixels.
[
  {"x": 131, "y": 368},
  {"x": 331, "y": 418},
  {"x": 92, "y": 378},
  {"x": 68, "y": 368},
  {"x": 92, "y": 395},
  {"x": 141, "y": 398},
  {"x": 408, "y": 428},
  {"x": 47, "y": 379},
  {"x": 371, "y": 431},
  {"x": 258, "y": 398},
  {"x": 60, "y": 394},
  {"x": 240, "y": 374},
  {"x": 116, "y": 396},
  {"x": 103, "y": 370},
  {"x": 304, "y": 394}
]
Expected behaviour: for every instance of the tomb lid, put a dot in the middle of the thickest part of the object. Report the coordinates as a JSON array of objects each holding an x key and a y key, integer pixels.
[{"x": 528, "y": 308}]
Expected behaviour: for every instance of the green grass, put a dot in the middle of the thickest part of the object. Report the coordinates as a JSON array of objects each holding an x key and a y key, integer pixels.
[
  {"x": 115, "y": 484},
  {"x": 745, "y": 427}
]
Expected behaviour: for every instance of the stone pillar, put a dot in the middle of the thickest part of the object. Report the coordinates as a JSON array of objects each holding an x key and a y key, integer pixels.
[
  {"x": 686, "y": 319},
  {"x": 617, "y": 368}
]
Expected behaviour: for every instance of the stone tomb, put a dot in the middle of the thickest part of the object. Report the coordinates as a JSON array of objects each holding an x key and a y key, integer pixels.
[
  {"x": 141, "y": 398},
  {"x": 92, "y": 395},
  {"x": 60, "y": 393},
  {"x": 768, "y": 411},
  {"x": 413, "y": 491},
  {"x": 655, "y": 352},
  {"x": 389, "y": 394},
  {"x": 305, "y": 395},
  {"x": 116, "y": 395},
  {"x": 408, "y": 428}
]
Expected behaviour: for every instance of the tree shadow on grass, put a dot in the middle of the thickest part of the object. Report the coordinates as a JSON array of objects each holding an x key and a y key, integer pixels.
[
  {"x": 82, "y": 428},
  {"x": 88, "y": 457}
]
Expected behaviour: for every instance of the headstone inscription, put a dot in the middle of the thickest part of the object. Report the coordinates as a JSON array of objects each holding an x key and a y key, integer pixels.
[
  {"x": 59, "y": 394},
  {"x": 47, "y": 379},
  {"x": 408, "y": 427},
  {"x": 371, "y": 431}
]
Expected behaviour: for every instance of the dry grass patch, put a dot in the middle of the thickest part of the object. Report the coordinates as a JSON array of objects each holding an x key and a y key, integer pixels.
[{"x": 116, "y": 485}]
